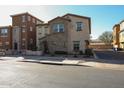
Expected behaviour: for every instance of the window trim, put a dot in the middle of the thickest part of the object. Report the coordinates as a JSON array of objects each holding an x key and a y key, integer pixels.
[
  {"x": 58, "y": 27},
  {"x": 33, "y": 20},
  {"x": 75, "y": 43},
  {"x": 29, "y": 18},
  {"x": 81, "y": 26},
  {"x": 23, "y": 18},
  {"x": 5, "y": 34}
]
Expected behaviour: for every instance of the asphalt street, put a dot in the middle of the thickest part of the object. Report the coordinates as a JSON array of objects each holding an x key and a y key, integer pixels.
[
  {"x": 33, "y": 75},
  {"x": 110, "y": 56}
]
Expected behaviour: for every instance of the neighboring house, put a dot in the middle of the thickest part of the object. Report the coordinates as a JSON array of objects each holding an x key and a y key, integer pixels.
[
  {"x": 6, "y": 37},
  {"x": 116, "y": 29},
  {"x": 121, "y": 34},
  {"x": 118, "y": 35},
  {"x": 41, "y": 31},
  {"x": 67, "y": 34},
  {"x": 24, "y": 31}
]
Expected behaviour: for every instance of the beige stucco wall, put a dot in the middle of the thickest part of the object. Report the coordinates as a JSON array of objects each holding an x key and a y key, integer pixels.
[
  {"x": 41, "y": 32},
  {"x": 81, "y": 36},
  {"x": 63, "y": 41},
  {"x": 57, "y": 41}
]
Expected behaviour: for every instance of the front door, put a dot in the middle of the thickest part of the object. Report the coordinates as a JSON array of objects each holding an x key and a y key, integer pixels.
[
  {"x": 15, "y": 46},
  {"x": 45, "y": 47}
]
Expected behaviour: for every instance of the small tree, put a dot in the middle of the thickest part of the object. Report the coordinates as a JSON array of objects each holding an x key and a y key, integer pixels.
[{"x": 106, "y": 37}]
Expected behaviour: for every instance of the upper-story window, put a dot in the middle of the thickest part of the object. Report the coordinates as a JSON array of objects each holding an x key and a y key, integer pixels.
[
  {"x": 38, "y": 22},
  {"x": 79, "y": 26},
  {"x": 4, "y": 32},
  {"x": 58, "y": 27},
  {"x": 23, "y": 18},
  {"x": 29, "y": 18},
  {"x": 33, "y": 20}
]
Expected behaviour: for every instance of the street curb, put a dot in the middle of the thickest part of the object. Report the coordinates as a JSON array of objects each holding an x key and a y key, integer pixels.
[
  {"x": 55, "y": 63},
  {"x": 42, "y": 62},
  {"x": 100, "y": 65}
]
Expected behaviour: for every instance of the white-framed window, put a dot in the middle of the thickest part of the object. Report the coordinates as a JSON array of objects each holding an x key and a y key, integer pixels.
[
  {"x": 29, "y": 18},
  {"x": 31, "y": 29},
  {"x": 58, "y": 27},
  {"x": 33, "y": 20},
  {"x": 4, "y": 32},
  {"x": 55, "y": 27},
  {"x": 76, "y": 45},
  {"x": 23, "y": 18},
  {"x": 61, "y": 27},
  {"x": 79, "y": 26}
]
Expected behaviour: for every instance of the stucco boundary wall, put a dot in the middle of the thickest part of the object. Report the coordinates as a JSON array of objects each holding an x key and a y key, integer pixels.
[{"x": 26, "y": 52}]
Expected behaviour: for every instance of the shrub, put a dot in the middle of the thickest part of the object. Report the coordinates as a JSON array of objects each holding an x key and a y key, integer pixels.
[
  {"x": 60, "y": 52},
  {"x": 81, "y": 52},
  {"x": 88, "y": 52}
]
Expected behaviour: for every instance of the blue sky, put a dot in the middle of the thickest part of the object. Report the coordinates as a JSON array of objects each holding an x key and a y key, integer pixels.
[{"x": 103, "y": 17}]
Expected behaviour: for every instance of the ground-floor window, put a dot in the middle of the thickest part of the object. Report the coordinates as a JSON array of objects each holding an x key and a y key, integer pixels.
[{"x": 76, "y": 45}]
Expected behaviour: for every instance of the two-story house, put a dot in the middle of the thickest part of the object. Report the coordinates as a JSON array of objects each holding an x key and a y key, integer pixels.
[{"x": 67, "y": 34}]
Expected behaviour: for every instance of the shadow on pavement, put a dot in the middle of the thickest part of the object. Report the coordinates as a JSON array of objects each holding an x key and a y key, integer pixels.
[{"x": 110, "y": 57}]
